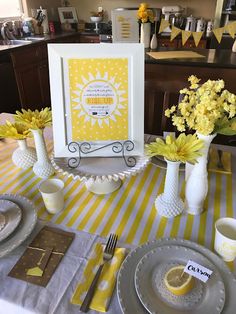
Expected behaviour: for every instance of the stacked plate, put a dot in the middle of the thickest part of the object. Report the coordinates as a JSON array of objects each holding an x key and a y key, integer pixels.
[
  {"x": 17, "y": 220},
  {"x": 141, "y": 287}
]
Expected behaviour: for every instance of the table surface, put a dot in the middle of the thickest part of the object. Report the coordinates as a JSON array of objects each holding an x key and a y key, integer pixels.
[{"x": 129, "y": 211}]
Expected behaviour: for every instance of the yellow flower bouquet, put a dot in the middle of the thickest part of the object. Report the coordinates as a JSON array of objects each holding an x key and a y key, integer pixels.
[
  {"x": 34, "y": 119},
  {"x": 17, "y": 131},
  {"x": 207, "y": 108},
  {"x": 144, "y": 14},
  {"x": 185, "y": 148}
]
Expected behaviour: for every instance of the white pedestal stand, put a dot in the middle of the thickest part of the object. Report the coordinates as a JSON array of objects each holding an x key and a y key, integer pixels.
[{"x": 102, "y": 175}]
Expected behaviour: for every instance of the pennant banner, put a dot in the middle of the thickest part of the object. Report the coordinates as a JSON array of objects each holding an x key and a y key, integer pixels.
[
  {"x": 197, "y": 37},
  {"x": 218, "y": 32},
  {"x": 174, "y": 32},
  {"x": 231, "y": 29},
  {"x": 185, "y": 36},
  {"x": 163, "y": 26}
]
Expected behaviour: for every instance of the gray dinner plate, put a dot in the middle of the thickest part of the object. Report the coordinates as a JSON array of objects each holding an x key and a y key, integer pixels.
[
  {"x": 127, "y": 296},
  {"x": 206, "y": 297},
  {"x": 12, "y": 215},
  {"x": 26, "y": 226}
]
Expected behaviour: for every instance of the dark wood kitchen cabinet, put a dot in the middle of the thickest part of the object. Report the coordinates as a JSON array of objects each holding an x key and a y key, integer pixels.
[{"x": 30, "y": 65}]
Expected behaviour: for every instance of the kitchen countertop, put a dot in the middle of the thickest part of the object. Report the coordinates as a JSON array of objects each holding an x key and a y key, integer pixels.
[
  {"x": 219, "y": 58},
  {"x": 216, "y": 58}
]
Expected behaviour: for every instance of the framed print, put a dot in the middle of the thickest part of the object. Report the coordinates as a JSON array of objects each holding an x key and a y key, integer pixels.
[
  {"x": 68, "y": 14},
  {"x": 97, "y": 96}
]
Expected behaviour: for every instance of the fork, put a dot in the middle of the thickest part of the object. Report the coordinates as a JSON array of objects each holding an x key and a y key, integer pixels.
[{"x": 107, "y": 256}]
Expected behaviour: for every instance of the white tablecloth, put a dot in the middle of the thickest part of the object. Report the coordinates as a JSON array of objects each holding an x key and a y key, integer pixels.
[{"x": 20, "y": 297}]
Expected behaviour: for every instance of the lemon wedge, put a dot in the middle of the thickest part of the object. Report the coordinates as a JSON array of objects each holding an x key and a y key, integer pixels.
[{"x": 178, "y": 282}]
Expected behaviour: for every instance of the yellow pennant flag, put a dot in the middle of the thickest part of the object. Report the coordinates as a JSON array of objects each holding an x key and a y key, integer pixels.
[
  {"x": 164, "y": 24},
  {"x": 197, "y": 37},
  {"x": 218, "y": 32},
  {"x": 185, "y": 36},
  {"x": 231, "y": 28},
  {"x": 174, "y": 32}
]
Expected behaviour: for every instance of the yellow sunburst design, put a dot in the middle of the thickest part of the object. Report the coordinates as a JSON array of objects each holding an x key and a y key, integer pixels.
[{"x": 99, "y": 99}]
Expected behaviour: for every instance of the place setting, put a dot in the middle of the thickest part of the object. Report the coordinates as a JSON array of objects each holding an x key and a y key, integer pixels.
[{"x": 172, "y": 275}]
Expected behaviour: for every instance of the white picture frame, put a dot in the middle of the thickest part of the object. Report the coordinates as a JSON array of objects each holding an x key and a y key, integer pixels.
[
  {"x": 74, "y": 91},
  {"x": 68, "y": 15}
]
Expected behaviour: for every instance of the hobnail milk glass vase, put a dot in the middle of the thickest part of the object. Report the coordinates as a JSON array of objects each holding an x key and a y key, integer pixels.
[
  {"x": 196, "y": 180},
  {"x": 169, "y": 204},
  {"x": 145, "y": 34},
  {"x": 43, "y": 167},
  {"x": 24, "y": 157}
]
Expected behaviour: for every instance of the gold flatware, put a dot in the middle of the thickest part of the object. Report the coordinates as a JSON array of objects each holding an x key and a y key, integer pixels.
[{"x": 107, "y": 256}]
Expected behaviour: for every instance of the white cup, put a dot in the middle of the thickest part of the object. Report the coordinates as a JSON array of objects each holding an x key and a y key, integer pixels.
[
  {"x": 52, "y": 194},
  {"x": 225, "y": 238}
]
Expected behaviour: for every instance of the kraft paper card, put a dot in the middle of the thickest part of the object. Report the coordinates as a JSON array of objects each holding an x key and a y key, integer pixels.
[
  {"x": 174, "y": 54},
  {"x": 42, "y": 256}
]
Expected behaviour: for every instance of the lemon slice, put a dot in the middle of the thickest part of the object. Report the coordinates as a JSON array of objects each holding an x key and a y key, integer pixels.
[{"x": 178, "y": 282}]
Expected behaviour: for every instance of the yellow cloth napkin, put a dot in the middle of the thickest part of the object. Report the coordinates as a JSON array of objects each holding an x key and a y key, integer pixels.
[{"x": 106, "y": 282}]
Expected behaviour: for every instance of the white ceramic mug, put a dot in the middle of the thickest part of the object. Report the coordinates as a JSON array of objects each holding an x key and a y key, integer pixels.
[
  {"x": 52, "y": 194},
  {"x": 225, "y": 238}
]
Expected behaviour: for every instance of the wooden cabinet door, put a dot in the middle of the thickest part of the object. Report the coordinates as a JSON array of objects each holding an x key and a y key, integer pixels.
[
  {"x": 92, "y": 39},
  {"x": 191, "y": 44},
  {"x": 165, "y": 42},
  {"x": 31, "y": 72}
]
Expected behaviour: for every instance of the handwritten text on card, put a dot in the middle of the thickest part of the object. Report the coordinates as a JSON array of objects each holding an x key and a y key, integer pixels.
[{"x": 196, "y": 270}]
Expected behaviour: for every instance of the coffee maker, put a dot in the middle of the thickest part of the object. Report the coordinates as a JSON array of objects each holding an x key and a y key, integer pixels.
[{"x": 173, "y": 14}]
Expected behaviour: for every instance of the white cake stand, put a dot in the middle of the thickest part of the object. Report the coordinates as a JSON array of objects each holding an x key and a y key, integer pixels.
[{"x": 102, "y": 175}]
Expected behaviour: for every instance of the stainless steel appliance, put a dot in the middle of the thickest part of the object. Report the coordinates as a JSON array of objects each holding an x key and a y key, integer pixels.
[{"x": 173, "y": 14}]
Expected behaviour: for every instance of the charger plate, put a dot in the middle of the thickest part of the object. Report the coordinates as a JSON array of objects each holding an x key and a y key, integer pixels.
[
  {"x": 127, "y": 296},
  {"x": 12, "y": 214},
  {"x": 206, "y": 297},
  {"x": 26, "y": 226}
]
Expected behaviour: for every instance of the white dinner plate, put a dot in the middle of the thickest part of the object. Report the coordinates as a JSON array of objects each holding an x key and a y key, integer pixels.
[
  {"x": 28, "y": 221},
  {"x": 206, "y": 297},
  {"x": 127, "y": 296},
  {"x": 12, "y": 216}
]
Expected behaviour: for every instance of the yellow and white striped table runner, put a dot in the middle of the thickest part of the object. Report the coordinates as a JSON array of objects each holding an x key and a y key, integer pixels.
[{"x": 129, "y": 211}]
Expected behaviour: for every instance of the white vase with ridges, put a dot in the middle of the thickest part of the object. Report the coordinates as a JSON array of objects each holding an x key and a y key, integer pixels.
[
  {"x": 24, "y": 157},
  {"x": 197, "y": 180},
  {"x": 43, "y": 167},
  {"x": 145, "y": 34},
  {"x": 169, "y": 204}
]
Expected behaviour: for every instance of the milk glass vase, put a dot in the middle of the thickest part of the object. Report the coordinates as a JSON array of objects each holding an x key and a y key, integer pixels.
[
  {"x": 145, "y": 34},
  {"x": 24, "y": 157},
  {"x": 169, "y": 204},
  {"x": 197, "y": 179},
  {"x": 43, "y": 167}
]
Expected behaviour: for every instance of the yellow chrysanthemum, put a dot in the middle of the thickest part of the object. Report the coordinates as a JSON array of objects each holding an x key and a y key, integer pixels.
[
  {"x": 204, "y": 107},
  {"x": 144, "y": 14},
  {"x": 15, "y": 131},
  {"x": 186, "y": 148},
  {"x": 35, "y": 119}
]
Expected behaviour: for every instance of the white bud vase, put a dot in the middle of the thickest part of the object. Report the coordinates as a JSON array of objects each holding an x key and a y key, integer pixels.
[
  {"x": 24, "y": 157},
  {"x": 43, "y": 167},
  {"x": 145, "y": 34},
  {"x": 197, "y": 184},
  {"x": 169, "y": 204},
  {"x": 234, "y": 46}
]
